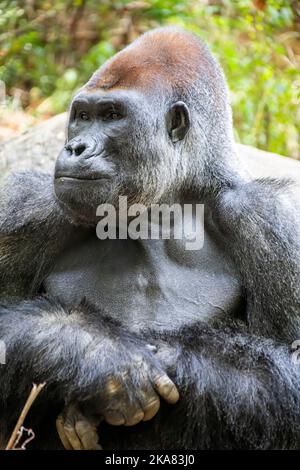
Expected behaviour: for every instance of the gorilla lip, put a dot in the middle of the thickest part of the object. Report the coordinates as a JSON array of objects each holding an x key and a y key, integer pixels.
[{"x": 62, "y": 179}]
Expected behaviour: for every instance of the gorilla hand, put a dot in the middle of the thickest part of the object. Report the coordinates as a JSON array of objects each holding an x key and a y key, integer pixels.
[
  {"x": 128, "y": 397},
  {"x": 123, "y": 402},
  {"x": 76, "y": 431},
  {"x": 131, "y": 392}
]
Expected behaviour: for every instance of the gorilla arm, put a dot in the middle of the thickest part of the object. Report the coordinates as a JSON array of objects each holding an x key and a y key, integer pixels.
[
  {"x": 260, "y": 220},
  {"x": 82, "y": 355},
  {"x": 33, "y": 231},
  {"x": 237, "y": 390}
]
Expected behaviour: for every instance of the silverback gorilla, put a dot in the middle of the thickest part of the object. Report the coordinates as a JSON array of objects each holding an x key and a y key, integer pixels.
[{"x": 141, "y": 342}]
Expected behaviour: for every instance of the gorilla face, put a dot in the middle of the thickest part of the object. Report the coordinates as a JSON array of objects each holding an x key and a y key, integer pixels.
[{"x": 119, "y": 143}]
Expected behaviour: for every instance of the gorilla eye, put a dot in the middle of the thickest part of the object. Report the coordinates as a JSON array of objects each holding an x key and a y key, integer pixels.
[
  {"x": 114, "y": 116},
  {"x": 84, "y": 116}
]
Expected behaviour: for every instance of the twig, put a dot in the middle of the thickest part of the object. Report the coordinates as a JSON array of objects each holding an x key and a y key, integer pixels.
[{"x": 36, "y": 389}]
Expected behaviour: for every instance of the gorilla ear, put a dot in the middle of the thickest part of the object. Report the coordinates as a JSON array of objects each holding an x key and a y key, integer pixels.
[{"x": 178, "y": 121}]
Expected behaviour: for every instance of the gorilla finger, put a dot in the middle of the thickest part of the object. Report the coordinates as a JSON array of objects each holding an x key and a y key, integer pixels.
[
  {"x": 114, "y": 418},
  {"x": 151, "y": 407},
  {"x": 166, "y": 388},
  {"x": 62, "y": 434},
  {"x": 72, "y": 437},
  {"x": 150, "y": 403},
  {"x": 87, "y": 434},
  {"x": 133, "y": 416}
]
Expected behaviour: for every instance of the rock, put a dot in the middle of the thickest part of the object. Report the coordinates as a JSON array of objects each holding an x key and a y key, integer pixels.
[
  {"x": 38, "y": 148},
  {"x": 263, "y": 164}
]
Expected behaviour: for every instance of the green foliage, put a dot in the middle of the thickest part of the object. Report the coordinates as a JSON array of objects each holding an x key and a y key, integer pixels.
[
  {"x": 264, "y": 82},
  {"x": 53, "y": 47}
]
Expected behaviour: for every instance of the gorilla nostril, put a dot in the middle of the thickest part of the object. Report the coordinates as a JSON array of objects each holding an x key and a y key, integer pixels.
[
  {"x": 79, "y": 149},
  {"x": 75, "y": 148},
  {"x": 69, "y": 149}
]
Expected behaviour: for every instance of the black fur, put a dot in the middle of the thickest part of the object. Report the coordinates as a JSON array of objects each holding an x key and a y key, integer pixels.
[{"x": 238, "y": 389}]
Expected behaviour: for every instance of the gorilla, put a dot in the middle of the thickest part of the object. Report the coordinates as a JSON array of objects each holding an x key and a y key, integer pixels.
[{"x": 142, "y": 343}]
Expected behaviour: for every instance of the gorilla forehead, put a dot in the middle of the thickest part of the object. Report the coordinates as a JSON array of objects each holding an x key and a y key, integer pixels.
[
  {"x": 163, "y": 58},
  {"x": 131, "y": 98}
]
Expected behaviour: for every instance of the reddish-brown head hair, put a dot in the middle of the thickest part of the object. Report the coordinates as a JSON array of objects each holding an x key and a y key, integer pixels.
[{"x": 166, "y": 57}]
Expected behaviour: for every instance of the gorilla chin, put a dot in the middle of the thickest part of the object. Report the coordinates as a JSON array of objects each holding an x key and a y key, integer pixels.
[{"x": 82, "y": 196}]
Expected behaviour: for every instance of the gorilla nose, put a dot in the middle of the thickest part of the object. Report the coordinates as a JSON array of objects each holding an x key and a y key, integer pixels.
[{"x": 76, "y": 148}]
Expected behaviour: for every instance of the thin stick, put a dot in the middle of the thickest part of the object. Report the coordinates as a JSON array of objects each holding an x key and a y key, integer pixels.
[{"x": 36, "y": 389}]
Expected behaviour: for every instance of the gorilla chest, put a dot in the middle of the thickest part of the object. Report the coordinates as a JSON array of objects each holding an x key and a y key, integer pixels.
[{"x": 147, "y": 283}]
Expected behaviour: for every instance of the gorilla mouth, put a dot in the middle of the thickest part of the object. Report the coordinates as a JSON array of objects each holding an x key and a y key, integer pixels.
[{"x": 67, "y": 179}]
